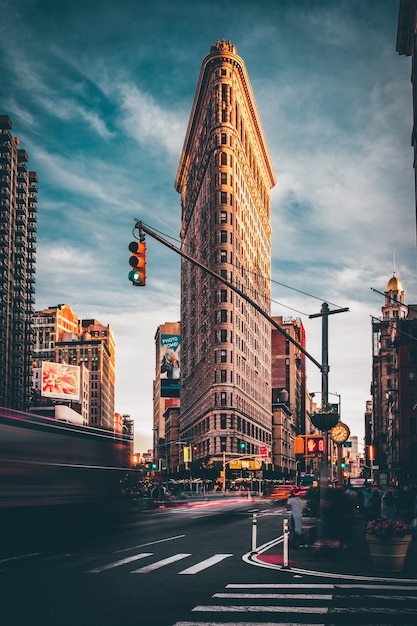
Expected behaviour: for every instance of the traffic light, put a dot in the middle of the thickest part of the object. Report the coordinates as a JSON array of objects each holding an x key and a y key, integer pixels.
[
  {"x": 154, "y": 466},
  {"x": 137, "y": 275},
  {"x": 242, "y": 446},
  {"x": 343, "y": 463},
  {"x": 314, "y": 444},
  {"x": 299, "y": 445}
]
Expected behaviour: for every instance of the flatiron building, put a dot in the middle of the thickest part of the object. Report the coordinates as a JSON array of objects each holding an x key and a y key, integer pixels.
[{"x": 224, "y": 178}]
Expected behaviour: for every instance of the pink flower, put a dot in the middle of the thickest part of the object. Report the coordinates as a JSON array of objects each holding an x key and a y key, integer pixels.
[{"x": 387, "y": 528}]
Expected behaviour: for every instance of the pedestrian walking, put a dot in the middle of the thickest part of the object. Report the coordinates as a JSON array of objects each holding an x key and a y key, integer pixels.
[
  {"x": 295, "y": 505},
  {"x": 388, "y": 505}
]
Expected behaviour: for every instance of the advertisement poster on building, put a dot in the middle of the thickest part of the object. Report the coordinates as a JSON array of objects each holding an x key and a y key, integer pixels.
[
  {"x": 170, "y": 349},
  {"x": 60, "y": 380}
]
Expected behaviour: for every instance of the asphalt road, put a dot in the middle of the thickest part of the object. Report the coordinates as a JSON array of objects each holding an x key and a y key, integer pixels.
[
  {"x": 155, "y": 566},
  {"x": 182, "y": 567}
]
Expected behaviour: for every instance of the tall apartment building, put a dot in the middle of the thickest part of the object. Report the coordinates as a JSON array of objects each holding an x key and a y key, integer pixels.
[
  {"x": 288, "y": 372},
  {"x": 224, "y": 177},
  {"x": 166, "y": 384},
  {"x": 60, "y": 337},
  {"x": 51, "y": 325},
  {"x": 393, "y": 428},
  {"x": 18, "y": 217},
  {"x": 96, "y": 349},
  {"x": 289, "y": 368}
]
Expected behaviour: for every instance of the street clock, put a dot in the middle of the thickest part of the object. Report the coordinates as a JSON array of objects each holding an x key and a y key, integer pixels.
[{"x": 340, "y": 433}]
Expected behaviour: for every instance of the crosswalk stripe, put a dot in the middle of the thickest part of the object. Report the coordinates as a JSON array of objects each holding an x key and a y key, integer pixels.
[
  {"x": 310, "y": 596},
  {"x": 128, "y": 559},
  {"x": 379, "y": 597},
  {"x": 411, "y": 587},
  {"x": 275, "y": 596},
  {"x": 158, "y": 564},
  {"x": 259, "y": 608},
  {"x": 307, "y": 603},
  {"x": 278, "y": 586},
  {"x": 198, "y": 567}
]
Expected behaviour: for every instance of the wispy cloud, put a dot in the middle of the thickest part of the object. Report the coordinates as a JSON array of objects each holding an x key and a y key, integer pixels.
[{"x": 147, "y": 121}]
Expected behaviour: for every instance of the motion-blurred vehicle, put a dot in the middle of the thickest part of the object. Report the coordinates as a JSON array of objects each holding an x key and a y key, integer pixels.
[
  {"x": 282, "y": 492},
  {"x": 53, "y": 474}
]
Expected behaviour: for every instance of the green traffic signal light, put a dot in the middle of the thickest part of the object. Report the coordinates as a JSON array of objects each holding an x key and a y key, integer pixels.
[
  {"x": 134, "y": 277},
  {"x": 154, "y": 466},
  {"x": 242, "y": 445},
  {"x": 137, "y": 275}
]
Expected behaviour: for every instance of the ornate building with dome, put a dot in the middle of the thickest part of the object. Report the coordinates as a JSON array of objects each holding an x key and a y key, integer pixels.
[{"x": 392, "y": 427}]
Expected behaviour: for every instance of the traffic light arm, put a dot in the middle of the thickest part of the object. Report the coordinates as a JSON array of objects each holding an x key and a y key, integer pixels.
[{"x": 141, "y": 226}]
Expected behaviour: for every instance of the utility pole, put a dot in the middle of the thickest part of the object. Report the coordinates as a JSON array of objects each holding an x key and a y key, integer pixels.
[
  {"x": 324, "y": 314},
  {"x": 324, "y": 469}
]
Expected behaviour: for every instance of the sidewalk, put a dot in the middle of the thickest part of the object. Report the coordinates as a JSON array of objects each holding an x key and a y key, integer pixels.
[{"x": 355, "y": 561}]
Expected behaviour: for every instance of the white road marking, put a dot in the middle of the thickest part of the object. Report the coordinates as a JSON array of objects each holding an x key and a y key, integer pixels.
[
  {"x": 158, "y": 564},
  {"x": 150, "y": 543},
  {"x": 243, "y": 624},
  {"x": 205, "y": 564},
  {"x": 128, "y": 559},
  {"x": 254, "y": 608},
  {"x": 21, "y": 556},
  {"x": 277, "y": 586},
  {"x": 411, "y": 587},
  {"x": 275, "y": 596}
]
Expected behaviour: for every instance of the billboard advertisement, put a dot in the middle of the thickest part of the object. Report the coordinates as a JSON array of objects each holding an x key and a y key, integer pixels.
[
  {"x": 60, "y": 380},
  {"x": 170, "y": 348}
]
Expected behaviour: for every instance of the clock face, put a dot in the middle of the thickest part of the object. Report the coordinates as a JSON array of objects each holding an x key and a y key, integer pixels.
[{"x": 340, "y": 433}]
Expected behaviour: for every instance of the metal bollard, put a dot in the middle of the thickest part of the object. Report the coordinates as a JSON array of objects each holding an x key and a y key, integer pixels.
[
  {"x": 286, "y": 533},
  {"x": 254, "y": 530}
]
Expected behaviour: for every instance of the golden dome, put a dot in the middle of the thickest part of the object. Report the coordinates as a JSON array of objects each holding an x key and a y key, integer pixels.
[{"x": 394, "y": 284}]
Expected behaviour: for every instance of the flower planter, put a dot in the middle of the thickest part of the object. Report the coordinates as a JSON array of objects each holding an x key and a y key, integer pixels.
[
  {"x": 324, "y": 421},
  {"x": 388, "y": 554}
]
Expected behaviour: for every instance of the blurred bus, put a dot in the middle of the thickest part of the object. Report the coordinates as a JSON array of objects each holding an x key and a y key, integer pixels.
[{"x": 58, "y": 473}]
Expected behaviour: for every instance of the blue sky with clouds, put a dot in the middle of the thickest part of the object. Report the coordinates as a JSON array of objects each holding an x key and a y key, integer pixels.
[{"x": 100, "y": 96}]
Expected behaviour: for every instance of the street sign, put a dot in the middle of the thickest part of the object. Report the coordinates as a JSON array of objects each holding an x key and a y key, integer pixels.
[{"x": 247, "y": 464}]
